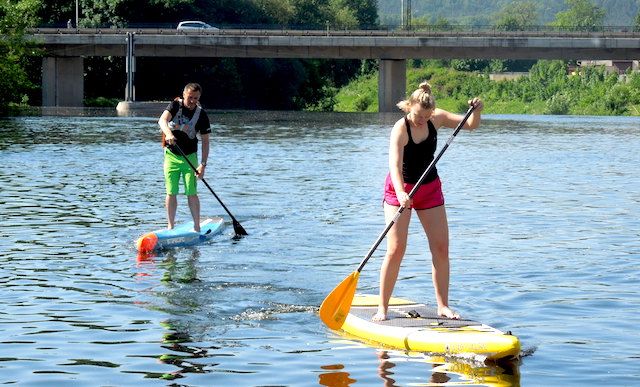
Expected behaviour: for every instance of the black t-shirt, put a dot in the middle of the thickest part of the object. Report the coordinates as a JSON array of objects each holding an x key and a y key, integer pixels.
[{"x": 187, "y": 143}]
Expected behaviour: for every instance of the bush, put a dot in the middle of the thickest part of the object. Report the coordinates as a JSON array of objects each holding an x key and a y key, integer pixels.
[
  {"x": 327, "y": 103},
  {"x": 362, "y": 102},
  {"x": 559, "y": 104},
  {"x": 101, "y": 102},
  {"x": 616, "y": 99}
]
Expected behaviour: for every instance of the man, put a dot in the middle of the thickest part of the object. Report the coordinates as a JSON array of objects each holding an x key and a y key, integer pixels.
[{"x": 181, "y": 121}]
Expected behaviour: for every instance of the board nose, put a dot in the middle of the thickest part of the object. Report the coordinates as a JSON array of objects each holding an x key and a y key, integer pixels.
[{"x": 147, "y": 243}]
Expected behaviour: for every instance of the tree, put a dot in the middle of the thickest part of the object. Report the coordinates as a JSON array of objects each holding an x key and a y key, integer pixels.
[
  {"x": 517, "y": 16},
  {"x": 365, "y": 11},
  {"x": 311, "y": 13},
  {"x": 278, "y": 11},
  {"x": 15, "y": 17},
  {"x": 442, "y": 24},
  {"x": 637, "y": 23},
  {"x": 581, "y": 15}
]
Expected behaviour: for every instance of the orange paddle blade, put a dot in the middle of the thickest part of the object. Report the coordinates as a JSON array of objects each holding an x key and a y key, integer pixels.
[{"x": 335, "y": 307}]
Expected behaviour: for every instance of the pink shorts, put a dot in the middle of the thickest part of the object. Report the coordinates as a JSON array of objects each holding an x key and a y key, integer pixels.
[{"x": 429, "y": 195}]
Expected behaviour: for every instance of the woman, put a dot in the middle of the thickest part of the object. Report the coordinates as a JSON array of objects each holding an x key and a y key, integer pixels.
[
  {"x": 181, "y": 121},
  {"x": 411, "y": 149}
]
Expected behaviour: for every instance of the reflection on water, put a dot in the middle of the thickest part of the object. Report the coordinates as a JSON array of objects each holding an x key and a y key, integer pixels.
[
  {"x": 544, "y": 229},
  {"x": 335, "y": 376},
  {"x": 434, "y": 371},
  {"x": 181, "y": 355}
]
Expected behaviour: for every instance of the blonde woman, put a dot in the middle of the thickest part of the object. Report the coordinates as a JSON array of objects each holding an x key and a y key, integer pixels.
[{"x": 411, "y": 149}]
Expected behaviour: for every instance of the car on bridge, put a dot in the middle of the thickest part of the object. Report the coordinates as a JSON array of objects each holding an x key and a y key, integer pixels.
[{"x": 195, "y": 25}]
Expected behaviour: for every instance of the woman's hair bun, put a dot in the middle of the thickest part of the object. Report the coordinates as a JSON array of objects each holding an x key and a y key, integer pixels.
[{"x": 426, "y": 87}]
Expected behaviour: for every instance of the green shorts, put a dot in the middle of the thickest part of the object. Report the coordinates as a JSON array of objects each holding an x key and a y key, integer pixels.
[{"x": 176, "y": 166}]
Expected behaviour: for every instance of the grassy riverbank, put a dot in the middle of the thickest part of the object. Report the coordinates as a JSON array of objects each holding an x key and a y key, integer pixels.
[{"x": 547, "y": 90}]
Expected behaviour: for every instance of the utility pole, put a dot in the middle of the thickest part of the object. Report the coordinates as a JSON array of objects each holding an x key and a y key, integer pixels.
[
  {"x": 130, "y": 64},
  {"x": 405, "y": 14},
  {"x": 77, "y": 13}
]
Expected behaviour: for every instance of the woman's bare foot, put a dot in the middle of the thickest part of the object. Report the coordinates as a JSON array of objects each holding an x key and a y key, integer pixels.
[
  {"x": 445, "y": 311},
  {"x": 379, "y": 316}
]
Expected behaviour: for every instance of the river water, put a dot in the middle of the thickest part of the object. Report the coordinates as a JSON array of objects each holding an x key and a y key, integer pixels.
[{"x": 545, "y": 242}]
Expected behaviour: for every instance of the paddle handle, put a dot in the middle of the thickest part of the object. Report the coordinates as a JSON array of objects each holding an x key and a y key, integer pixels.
[
  {"x": 415, "y": 188},
  {"x": 236, "y": 225}
]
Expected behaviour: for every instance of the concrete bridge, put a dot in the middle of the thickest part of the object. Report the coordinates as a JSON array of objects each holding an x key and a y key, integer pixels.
[{"x": 65, "y": 48}]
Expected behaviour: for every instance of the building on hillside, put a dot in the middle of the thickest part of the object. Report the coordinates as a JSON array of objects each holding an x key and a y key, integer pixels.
[
  {"x": 612, "y": 66},
  {"x": 511, "y": 76}
]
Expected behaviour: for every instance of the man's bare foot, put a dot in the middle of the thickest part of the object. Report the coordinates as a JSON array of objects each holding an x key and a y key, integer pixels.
[
  {"x": 379, "y": 316},
  {"x": 445, "y": 311}
]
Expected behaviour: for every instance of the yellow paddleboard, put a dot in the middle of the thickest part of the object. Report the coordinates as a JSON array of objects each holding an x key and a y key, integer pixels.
[{"x": 416, "y": 327}]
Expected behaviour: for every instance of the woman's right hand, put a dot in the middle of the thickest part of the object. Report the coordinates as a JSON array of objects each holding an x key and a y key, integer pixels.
[
  {"x": 171, "y": 140},
  {"x": 404, "y": 199}
]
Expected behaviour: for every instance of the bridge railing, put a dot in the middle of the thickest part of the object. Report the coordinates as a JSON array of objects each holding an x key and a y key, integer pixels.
[{"x": 415, "y": 30}]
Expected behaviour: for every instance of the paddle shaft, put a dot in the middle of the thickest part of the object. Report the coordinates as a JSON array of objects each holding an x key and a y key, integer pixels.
[
  {"x": 236, "y": 225},
  {"x": 415, "y": 188}
]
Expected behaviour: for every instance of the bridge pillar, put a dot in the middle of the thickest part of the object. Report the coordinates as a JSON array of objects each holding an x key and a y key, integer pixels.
[
  {"x": 62, "y": 81},
  {"x": 392, "y": 84}
]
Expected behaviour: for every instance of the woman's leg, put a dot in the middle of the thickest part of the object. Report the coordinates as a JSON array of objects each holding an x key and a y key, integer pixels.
[
  {"x": 434, "y": 222},
  {"x": 396, "y": 246}
]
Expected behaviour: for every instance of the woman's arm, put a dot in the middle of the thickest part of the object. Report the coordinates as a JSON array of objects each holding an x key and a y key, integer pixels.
[
  {"x": 397, "y": 142},
  {"x": 447, "y": 119}
]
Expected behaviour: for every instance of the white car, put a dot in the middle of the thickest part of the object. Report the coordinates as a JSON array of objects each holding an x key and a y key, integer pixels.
[{"x": 194, "y": 25}]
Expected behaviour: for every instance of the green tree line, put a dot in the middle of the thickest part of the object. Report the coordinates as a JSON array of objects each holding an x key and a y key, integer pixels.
[{"x": 548, "y": 89}]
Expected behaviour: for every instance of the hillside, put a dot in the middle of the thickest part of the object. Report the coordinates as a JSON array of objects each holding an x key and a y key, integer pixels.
[{"x": 480, "y": 12}]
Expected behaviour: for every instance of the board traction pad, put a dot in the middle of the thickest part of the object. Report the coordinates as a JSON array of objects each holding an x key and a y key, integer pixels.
[{"x": 398, "y": 316}]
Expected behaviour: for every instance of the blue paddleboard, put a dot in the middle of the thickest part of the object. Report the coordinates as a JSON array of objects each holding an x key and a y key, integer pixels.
[{"x": 180, "y": 236}]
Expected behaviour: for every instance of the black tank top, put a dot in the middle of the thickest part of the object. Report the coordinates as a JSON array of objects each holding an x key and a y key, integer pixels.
[{"x": 417, "y": 157}]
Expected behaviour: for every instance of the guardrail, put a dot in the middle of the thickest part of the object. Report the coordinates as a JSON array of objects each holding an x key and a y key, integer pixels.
[{"x": 618, "y": 32}]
